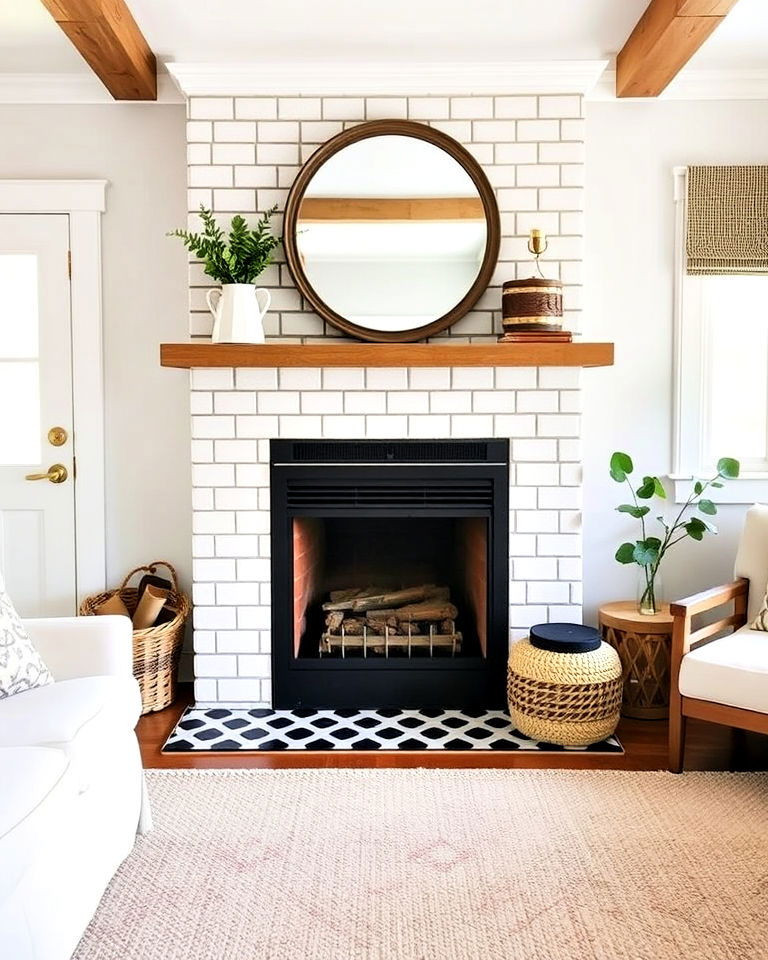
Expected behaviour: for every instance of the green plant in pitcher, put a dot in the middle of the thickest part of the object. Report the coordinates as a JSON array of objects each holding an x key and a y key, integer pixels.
[
  {"x": 237, "y": 258},
  {"x": 649, "y": 551}
]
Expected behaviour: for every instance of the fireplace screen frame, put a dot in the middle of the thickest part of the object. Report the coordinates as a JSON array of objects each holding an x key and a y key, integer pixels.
[{"x": 465, "y": 682}]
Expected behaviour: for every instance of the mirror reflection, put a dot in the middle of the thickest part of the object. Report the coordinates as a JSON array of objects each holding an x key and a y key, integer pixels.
[{"x": 391, "y": 232}]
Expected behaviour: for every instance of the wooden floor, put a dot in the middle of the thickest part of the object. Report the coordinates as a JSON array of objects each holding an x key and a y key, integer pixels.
[{"x": 709, "y": 747}]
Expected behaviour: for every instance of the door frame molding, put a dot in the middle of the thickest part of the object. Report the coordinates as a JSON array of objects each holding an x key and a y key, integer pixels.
[{"x": 83, "y": 201}]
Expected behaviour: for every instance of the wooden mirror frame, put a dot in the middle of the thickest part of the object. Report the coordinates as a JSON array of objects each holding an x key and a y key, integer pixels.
[{"x": 403, "y": 128}]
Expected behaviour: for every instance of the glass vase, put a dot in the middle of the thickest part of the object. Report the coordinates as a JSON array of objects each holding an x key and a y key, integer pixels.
[{"x": 649, "y": 592}]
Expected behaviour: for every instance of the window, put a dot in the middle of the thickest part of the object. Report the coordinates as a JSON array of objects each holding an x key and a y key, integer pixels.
[
  {"x": 721, "y": 370},
  {"x": 19, "y": 365}
]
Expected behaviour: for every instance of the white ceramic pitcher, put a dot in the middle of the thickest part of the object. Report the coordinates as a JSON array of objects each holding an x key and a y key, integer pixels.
[{"x": 238, "y": 316}]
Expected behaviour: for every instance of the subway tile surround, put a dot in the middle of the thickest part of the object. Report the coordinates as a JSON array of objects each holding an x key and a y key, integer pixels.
[
  {"x": 244, "y": 153},
  {"x": 238, "y": 411}
]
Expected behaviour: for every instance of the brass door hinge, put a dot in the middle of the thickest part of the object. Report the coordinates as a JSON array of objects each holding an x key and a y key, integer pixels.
[{"x": 69, "y": 263}]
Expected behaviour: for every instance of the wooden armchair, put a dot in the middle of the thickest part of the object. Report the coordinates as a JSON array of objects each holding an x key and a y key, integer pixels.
[{"x": 718, "y": 675}]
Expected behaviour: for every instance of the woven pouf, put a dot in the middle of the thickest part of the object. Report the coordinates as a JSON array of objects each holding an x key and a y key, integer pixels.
[{"x": 564, "y": 685}]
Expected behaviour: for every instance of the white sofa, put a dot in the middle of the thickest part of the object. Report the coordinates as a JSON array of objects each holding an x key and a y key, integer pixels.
[{"x": 72, "y": 794}]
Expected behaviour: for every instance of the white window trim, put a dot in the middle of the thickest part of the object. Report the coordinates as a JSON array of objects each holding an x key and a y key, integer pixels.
[
  {"x": 690, "y": 379},
  {"x": 83, "y": 201}
]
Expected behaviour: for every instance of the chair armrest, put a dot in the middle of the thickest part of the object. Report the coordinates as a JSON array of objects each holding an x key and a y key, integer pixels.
[
  {"x": 84, "y": 646},
  {"x": 708, "y": 599}
]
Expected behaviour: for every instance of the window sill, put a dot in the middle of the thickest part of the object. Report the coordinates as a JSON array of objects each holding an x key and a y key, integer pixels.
[{"x": 750, "y": 488}]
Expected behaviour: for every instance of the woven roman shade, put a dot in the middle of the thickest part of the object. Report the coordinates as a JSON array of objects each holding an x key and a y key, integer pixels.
[{"x": 727, "y": 228}]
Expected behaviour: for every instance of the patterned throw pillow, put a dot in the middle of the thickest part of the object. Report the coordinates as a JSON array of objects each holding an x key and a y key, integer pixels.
[
  {"x": 20, "y": 665},
  {"x": 761, "y": 620}
]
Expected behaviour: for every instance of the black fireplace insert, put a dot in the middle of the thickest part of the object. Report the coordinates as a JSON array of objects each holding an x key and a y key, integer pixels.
[{"x": 390, "y": 570}]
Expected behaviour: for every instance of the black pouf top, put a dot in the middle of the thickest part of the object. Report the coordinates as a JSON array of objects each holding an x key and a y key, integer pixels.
[{"x": 565, "y": 637}]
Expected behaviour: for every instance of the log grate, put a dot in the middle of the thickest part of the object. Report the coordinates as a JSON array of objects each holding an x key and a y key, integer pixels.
[{"x": 378, "y": 644}]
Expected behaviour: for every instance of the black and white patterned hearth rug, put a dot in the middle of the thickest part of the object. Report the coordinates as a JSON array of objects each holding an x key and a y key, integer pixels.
[{"x": 391, "y": 729}]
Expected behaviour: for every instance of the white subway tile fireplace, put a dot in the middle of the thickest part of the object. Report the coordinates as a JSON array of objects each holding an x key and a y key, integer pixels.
[
  {"x": 243, "y": 155},
  {"x": 236, "y": 412}
]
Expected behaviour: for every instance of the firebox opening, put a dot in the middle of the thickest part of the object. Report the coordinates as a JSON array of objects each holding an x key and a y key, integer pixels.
[
  {"x": 390, "y": 587},
  {"x": 390, "y": 573}
]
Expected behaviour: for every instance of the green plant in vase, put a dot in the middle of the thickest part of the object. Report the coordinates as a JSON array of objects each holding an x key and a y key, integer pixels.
[
  {"x": 235, "y": 261},
  {"x": 649, "y": 551}
]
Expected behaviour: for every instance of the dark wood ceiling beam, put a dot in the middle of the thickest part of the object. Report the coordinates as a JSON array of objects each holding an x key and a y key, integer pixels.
[
  {"x": 108, "y": 38},
  {"x": 663, "y": 41}
]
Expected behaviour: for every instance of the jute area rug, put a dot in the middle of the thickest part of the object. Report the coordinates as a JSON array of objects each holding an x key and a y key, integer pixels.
[{"x": 443, "y": 865}]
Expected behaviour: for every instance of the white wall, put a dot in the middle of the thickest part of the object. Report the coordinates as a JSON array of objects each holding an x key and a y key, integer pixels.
[
  {"x": 140, "y": 149},
  {"x": 631, "y": 150}
]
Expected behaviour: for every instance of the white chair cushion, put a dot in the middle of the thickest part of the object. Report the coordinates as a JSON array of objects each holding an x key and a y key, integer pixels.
[
  {"x": 58, "y": 714},
  {"x": 732, "y": 670},
  {"x": 35, "y": 793},
  {"x": 752, "y": 557},
  {"x": 21, "y": 666}
]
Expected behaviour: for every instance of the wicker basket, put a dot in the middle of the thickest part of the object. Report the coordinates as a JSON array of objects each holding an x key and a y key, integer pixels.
[
  {"x": 572, "y": 699},
  {"x": 156, "y": 650}
]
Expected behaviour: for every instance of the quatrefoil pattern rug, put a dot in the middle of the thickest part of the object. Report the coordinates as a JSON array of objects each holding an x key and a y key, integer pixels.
[{"x": 265, "y": 729}]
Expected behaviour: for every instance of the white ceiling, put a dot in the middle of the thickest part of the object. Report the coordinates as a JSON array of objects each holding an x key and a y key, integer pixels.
[
  {"x": 31, "y": 42},
  {"x": 356, "y": 31},
  {"x": 398, "y": 30},
  {"x": 740, "y": 42}
]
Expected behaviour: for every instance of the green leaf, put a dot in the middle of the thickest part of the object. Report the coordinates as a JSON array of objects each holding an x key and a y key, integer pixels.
[
  {"x": 695, "y": 528},
  {"x": 716, "y": 483},
  {"x": 633, "y": 511},
  {"x": 698, "y": 487},
  {"x": 646, "y": 552},
  {"x": 706, "y": 506},
  {"x": 621, "y": 465},
  {"x": 647, "y": 489},
  {"x": 626, "y": 553},
  {"x": 658, "y": 488},
  {"x": 728, "y": 467},
  {"x": 710, "y": 526}
]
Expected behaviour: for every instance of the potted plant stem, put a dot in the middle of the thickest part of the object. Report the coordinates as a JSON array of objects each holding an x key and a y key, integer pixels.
[
  {"x": 649, "y": 551},
  {"x": 234, "y": 261}
]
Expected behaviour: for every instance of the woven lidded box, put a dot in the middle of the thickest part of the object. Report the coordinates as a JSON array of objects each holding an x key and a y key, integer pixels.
[
  {"x": 564, "y": 685},
  {"x": 534, "y": 304}
]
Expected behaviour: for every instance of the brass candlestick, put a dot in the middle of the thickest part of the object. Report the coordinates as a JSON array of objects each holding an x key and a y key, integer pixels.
[{"x": 537, "y": 244}]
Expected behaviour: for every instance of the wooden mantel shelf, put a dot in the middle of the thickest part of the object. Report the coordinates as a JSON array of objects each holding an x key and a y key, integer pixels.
[{"x": 206, "y": 354}]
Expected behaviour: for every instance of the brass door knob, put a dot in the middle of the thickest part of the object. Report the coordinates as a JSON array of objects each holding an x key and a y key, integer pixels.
[
  {"x": 56, "y": 474},
  {"x": 57, "y": 436}
]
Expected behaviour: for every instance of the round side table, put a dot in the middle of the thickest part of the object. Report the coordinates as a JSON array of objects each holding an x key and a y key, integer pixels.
[{"x": 642, "y": 643}]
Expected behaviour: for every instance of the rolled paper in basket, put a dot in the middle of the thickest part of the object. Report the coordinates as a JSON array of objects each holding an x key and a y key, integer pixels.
[
  {"x": 113, "y": 605},
  {"x": 149, "y": 607}
]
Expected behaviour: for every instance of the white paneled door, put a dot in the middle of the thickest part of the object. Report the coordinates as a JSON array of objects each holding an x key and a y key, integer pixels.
[{"x": 37, "y": 504}]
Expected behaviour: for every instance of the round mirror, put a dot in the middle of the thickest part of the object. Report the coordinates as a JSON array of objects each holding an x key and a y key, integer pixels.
[{"x": 391, "y": 231}]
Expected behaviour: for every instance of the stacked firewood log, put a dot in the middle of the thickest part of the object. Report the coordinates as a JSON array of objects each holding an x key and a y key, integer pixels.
[{"x": 377, "y": 620}]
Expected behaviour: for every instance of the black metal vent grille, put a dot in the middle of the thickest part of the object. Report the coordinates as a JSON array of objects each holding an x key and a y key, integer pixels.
[
  {"x": 337, "y": 451},
  {"x": 457, "y": 495}
]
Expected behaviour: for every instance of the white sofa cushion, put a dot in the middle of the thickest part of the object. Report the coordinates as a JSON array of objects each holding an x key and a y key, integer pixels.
[
  {"x": 59, "y": 714},
  {"x": 752, "y": 557},
  {"x": 84, "y": 646},
  {"x": 21, "y": 666},
  {"x": 35, "y": 792},
  {"x": 732, "y": 670}
]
